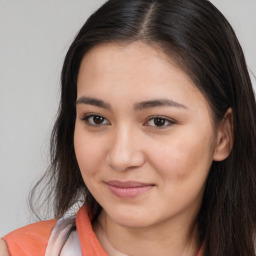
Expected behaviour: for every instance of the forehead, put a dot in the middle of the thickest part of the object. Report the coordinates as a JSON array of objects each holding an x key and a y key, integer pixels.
[
  {"x": 135, "y": 71},
  {"x": 123, "y": 75},
  {"x": 137, "y": 63},
  {"x": 132, "y": 52}
]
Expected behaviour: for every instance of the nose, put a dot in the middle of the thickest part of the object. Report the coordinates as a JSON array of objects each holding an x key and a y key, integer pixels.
[{"x": 125, "y": 151}]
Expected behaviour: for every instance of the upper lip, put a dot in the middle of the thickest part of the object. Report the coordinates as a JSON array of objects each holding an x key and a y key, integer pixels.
[{"x": 127, "y": 184}]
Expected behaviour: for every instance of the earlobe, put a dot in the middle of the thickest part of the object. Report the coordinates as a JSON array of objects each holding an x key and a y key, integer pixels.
[{"x": 225, "y": 137}]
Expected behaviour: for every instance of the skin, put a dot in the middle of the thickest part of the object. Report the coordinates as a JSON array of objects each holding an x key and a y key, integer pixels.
[
  {"x": 127, "y": 144},
  {"x": 3, "y": 248}
]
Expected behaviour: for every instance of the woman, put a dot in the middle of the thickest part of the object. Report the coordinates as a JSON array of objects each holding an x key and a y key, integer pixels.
[{"x": 155, "y": 134}]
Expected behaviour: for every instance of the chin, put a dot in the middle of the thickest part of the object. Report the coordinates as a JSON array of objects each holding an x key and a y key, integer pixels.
[
  {"x": 130, "y": 218},
  {"x": 132, "y": 222}
]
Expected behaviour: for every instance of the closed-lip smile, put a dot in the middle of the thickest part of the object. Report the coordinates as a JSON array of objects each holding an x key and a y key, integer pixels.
[{"x": 128, "y": 189}]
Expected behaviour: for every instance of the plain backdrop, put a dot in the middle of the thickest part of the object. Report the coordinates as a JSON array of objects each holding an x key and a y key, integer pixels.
[{"x": 34, "y": 38}]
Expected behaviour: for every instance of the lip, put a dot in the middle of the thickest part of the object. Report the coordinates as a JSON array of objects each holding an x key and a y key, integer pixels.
[{"x": 128, "y": 189}]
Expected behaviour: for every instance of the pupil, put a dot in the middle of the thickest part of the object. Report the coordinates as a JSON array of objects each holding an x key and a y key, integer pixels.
[
  {"x": 98, "y": 119},
  {"x": 159, "y": 121}
]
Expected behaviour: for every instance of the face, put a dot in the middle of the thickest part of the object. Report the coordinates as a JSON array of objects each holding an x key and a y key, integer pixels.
[{"x": 144, "y": 138}]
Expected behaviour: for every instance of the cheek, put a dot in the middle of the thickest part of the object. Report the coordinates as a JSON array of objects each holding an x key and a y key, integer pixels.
[
  {"x": 183, "y": 156},
  {"x": 89, "y": 152}
]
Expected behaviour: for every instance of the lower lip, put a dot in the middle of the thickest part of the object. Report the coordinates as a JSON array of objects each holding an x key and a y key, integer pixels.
[{"x": 128, "y": 192}]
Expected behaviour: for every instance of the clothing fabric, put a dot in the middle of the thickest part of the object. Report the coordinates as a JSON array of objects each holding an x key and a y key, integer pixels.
[
  {"x": 30, "y": 240},
  {"x": 52, "y": 238},
  {"x": 65, "y": 237}
]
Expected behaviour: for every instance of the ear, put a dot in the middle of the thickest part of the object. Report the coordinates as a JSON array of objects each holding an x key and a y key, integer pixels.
[{"x": 225, "y": 137}]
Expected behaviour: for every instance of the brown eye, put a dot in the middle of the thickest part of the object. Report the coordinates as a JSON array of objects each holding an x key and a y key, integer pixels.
[
  {"x": 98, "y": 119},
  {"x": 159, "y": 122},
  {"x": 95, "y": 120}
]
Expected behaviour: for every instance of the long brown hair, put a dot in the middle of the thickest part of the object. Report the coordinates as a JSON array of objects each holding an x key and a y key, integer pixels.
[{"x": 201, "y": 40}]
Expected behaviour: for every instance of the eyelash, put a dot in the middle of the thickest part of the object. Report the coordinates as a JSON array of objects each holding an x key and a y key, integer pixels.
[
  {"x": 87, "y": 118},
  {"x": 166, "y": 121}
]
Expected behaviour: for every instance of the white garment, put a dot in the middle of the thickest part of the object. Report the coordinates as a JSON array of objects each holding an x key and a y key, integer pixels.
[{"x": 64, "y": 240}]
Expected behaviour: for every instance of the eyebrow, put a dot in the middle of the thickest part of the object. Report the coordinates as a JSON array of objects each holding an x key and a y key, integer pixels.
[
  {"x": 94, "y": 102},
  {"x": 158, "y": 103},
  {"x": 137, "y": 107}
]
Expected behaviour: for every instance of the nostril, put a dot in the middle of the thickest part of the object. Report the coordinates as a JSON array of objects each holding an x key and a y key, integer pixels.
[{"x": 121, "y": 161}]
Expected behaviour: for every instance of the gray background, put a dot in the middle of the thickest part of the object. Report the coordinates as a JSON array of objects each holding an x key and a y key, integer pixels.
[{"x": 34, "y": 37}]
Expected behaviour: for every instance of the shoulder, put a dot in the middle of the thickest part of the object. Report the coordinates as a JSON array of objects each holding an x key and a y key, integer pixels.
[
  {"x": 3, "y": 248},
  {"x": 31, "y": 239}
]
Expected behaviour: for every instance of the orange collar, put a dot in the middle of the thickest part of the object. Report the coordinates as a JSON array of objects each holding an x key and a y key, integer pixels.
[{"x": 89, "y": 243}]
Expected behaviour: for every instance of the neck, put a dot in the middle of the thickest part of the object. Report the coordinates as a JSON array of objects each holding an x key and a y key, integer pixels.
[{"x": 162, "y": 239}]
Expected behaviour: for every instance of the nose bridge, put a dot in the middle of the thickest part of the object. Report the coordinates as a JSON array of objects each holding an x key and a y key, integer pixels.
[{"x": 124, "y": 151}]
